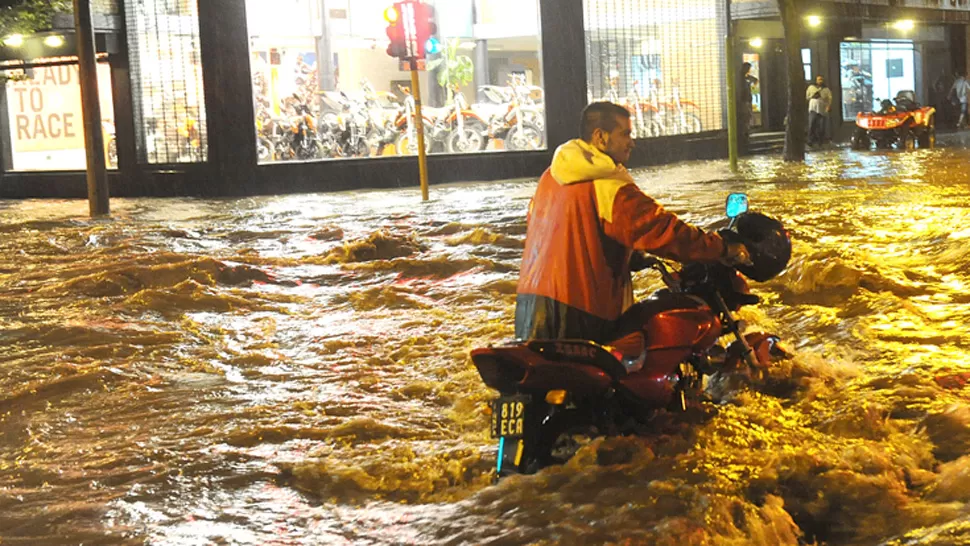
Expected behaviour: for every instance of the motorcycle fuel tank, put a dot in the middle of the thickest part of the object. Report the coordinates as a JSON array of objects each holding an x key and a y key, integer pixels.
[{"x": 675, "y": 326}]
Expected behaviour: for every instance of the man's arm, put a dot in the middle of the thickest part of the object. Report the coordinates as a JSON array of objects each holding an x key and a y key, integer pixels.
[{"x": 640, "y": 223}]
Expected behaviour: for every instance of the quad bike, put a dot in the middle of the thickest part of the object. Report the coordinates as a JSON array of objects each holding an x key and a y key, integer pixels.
[
  {"x": 904, "y": 125},
  {"x": 552, "y": 391}
]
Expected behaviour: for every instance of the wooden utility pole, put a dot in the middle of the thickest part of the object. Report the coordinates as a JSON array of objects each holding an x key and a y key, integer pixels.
[{"x": 98, "y": 200}]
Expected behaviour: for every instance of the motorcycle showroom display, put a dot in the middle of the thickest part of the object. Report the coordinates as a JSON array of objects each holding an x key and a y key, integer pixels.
[
  {"x": 665, "y": 349},
  {"x": 367, "y": 123}
]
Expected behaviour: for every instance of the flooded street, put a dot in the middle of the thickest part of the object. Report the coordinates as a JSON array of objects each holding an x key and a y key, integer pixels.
[{"x": 294, "y": 370}]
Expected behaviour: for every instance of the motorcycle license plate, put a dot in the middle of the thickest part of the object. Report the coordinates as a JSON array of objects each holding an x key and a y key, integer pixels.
[{"x": 508, "y": 416}]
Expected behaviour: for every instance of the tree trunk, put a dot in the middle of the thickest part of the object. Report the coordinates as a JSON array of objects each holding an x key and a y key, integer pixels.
[{"x": 797, "y": 127}]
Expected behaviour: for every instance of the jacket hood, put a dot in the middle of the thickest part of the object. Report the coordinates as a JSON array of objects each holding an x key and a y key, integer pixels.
[{"x": 578, "y": 161}]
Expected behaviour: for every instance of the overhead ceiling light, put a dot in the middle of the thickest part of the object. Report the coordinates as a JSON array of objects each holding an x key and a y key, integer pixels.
[
  {"x": 904, "y": 24},
  {"x": 814, "y": 21},
  {"x": 756, "y": 42},
  {"x": 54, "y": 41},
  {"x": 14, "y": 40}
]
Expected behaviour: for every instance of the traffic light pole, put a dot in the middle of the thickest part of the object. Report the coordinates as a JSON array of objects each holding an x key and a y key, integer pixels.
[{"x": 419, "y": 124}]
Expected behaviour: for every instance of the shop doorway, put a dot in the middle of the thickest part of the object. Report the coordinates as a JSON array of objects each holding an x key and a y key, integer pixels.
[{"x": 770, "y": 95}]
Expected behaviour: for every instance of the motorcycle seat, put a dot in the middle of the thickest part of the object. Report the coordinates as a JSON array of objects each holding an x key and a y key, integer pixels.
[{"x": 581, "y": 351}]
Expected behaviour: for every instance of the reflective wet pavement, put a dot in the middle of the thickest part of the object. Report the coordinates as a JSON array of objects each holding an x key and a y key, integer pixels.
[{"x": 293, "y": 370}]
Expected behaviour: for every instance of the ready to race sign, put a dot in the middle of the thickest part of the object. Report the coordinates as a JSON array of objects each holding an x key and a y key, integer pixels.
[{"x": 46, "y": 124}]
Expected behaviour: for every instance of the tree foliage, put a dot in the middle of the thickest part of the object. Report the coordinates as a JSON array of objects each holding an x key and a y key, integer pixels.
[{"x": 28, "y": 16}]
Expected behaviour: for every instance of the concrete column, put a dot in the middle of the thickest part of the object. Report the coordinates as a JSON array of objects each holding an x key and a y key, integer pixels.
[
  {"x": 231, "y": 131},
  {"x": 481, "y": 67},
  {"x": 564, "y": 63},
  {"x": 327, "y": 78}
]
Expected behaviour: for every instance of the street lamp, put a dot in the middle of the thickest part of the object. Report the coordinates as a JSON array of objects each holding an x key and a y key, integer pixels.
[
  {"x": 814, "y": 21},
  {"x": 54, "y": 41},
  {"x": 904, "y": 25},
  {"x": 14, "y": 40},
  {"x": 756, "y": 42}
]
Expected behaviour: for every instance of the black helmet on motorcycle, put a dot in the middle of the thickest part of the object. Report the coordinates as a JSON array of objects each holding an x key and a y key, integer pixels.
[{"x": 768, "y": 244}]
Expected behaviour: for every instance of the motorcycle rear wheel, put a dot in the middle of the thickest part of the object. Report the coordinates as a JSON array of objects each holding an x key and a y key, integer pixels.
[{"x": 548, "y": 439}]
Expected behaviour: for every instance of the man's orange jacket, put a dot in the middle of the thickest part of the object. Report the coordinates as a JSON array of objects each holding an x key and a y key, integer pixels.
[{"x": 585, "y": 220}]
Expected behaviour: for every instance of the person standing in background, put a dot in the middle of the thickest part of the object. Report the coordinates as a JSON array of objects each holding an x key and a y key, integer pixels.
[
  {"x": 959, "y": 94},
  {"x": 745, "y": 109},
  {"x": 819, "y": 105}
]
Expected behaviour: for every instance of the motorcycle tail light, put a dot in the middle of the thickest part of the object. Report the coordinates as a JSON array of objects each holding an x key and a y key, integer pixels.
[{"x": 556, "y": 398}]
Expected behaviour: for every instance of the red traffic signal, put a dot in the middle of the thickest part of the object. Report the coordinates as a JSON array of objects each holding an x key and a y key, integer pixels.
[
  {"x": 425, "y": 30},
  {"x": 395, "y": 31},
  {"x": 411, "y": 30}
]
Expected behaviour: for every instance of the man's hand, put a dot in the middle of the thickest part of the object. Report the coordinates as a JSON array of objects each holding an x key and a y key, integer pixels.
[{"x": 736, "y": 254}]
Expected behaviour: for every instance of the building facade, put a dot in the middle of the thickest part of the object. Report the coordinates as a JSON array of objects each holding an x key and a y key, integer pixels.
[
  {"x": 867, "y": 51},
  {"x": 204, "y": 98},
  {"x": 201, "y": 98}
]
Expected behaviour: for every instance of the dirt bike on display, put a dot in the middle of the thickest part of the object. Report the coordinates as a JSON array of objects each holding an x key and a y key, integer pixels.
[
  {"x": 514, "y": 129},
  {"x": 677, "y": 116},
  {"x": 646, "y": 117},
  {"x": 297, "y": 135},
  {"x": 405, "y": 123},
  {"x": 459, "y": 128},
  {"x": 665, "y": 347}
]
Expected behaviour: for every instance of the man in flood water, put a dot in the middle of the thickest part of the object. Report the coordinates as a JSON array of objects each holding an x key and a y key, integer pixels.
[{"x": 585, "y": 220}]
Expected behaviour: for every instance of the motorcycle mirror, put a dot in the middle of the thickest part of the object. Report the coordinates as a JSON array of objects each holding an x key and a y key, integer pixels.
[{"x": 737, "y": 204}]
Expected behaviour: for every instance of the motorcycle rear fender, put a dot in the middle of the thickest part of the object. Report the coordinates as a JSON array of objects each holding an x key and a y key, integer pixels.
[{"x": 516, "y": 368}]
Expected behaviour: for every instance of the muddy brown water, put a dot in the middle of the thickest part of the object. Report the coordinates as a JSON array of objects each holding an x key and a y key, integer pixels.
[{"x": 293, "y": 370}]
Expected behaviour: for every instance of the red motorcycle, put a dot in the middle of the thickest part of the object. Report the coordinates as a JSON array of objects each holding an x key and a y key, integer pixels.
[{"x": 664, "y": 349}]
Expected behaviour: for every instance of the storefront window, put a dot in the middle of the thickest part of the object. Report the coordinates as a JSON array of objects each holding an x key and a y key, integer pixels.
[
  {"x": 875, "y": 71},
  {"x": 45, "y": 119},
  {"x": 662, "y": 59},
  {"x": 166, "y": 75},
  {"x": 324, "y": 87}
]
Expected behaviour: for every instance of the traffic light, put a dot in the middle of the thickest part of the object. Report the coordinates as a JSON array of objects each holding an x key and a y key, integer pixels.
[
  {"x": 395, "y": 31},
  {"x": 424, "y": 30}
]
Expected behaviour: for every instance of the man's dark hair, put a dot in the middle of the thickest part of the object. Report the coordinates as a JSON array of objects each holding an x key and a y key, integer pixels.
[{"x": 601, "y": 115}]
